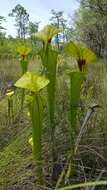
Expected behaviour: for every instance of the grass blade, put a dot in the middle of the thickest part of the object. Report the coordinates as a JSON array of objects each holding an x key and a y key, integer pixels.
[{"x": 87, "y": 184}]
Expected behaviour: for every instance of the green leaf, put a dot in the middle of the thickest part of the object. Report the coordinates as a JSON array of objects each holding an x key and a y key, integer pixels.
[
  {"x": 47, "y": 33},
  {"x": 51, "y": 75},
  {"x": 79, "y": 53},
  {"x": 23, "y": 50},
  {"x": 50, "y": 63},
  {"x": 76, "y": 80},
  {"x": 24, "y": 66},
  {"x": 32, "y": 82},
  {"x": 36, "y": 117},
  {"x": 72, "y": 50}
]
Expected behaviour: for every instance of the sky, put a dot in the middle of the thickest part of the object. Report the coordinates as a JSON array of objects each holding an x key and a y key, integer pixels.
[{"x": 39, "y": 10}]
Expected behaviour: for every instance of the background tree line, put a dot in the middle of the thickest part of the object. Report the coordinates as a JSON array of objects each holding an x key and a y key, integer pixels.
[
  {"x": 91, "y": 25},
  {"x": 88, "y": 25}
]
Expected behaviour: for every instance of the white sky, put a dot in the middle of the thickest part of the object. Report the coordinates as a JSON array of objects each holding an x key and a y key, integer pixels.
[{"x": 39, "y": 10}]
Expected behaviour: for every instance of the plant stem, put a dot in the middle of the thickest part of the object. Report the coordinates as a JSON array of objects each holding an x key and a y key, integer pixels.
[
  {"x": 24, "y": 66},
  {"x": 35, "y": 110},
  {"x": 22, "y": 98},
  {"x": 10, "y": 109}
]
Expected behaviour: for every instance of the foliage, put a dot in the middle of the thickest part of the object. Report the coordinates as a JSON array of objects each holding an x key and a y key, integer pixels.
[
  {"x": 9, "y": 95},
  {"x": 24, "y": 52},
  {"x": 1, "y": 20},
  {"x": 22, "y": 20},
  {"x": 34, "y": 84},
  {"x": 49, "y": 61},
  {"x": 58, "y": 20},
  {"x": 33, "y": 28},
  {"x": 76, "y": 81},
  {"x": 82, "y": 54},
  {"x": 15, "y": 155},
  {"x": 90, "y": 25},
  {"x": 31, "y": 82},
  {"x": 47, "y": 33}
]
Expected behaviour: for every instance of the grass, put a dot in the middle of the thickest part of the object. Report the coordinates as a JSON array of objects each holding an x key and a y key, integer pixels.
[{"x": 16, "y": 160}]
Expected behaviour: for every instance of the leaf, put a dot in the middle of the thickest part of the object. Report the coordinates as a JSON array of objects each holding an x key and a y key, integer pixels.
[
  {"x": 36, "y": 117},
  {"x": 32, "y": 82},
  {"x": 23, "y": 50},
  {"x": 47, "y": 33},
  {"x": 76, "y": 80},
  {"x": 50, "y": 62},
  {"x": 51, "y": 75},
  {"x": 78, "y": 52},
  {"x": 24, "y": 66},
  {"x": 71, "y": 50},
  {"x": 88, "y": 55}
]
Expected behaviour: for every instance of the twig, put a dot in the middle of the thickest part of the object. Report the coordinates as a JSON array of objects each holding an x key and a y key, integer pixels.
[{"x": 89, "y": 113}]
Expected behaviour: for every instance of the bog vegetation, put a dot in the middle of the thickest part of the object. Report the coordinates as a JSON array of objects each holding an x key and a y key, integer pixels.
[{"x": 53, "y": 101}]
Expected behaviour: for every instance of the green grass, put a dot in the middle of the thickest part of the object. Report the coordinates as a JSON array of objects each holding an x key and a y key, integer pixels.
[
  {"x": 17, "y": 167},
  {"x": 15, "y": 160}
]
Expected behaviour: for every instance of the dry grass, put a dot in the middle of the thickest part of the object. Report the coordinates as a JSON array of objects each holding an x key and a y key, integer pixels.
[{"x": 16, "y": 155}]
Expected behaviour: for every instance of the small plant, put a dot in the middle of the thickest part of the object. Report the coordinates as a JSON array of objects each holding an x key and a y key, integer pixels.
[
  {"x": 83, "y": 56},
  {"x": 35, "y": 83},
  {"x": 49, "y": 61},
  {"x": 9, "y": 95},
  {"x": 23, "y": 52}
]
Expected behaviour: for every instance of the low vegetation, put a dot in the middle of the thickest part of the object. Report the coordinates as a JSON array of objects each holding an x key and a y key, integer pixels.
[{"x": 53, "y": 108}]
